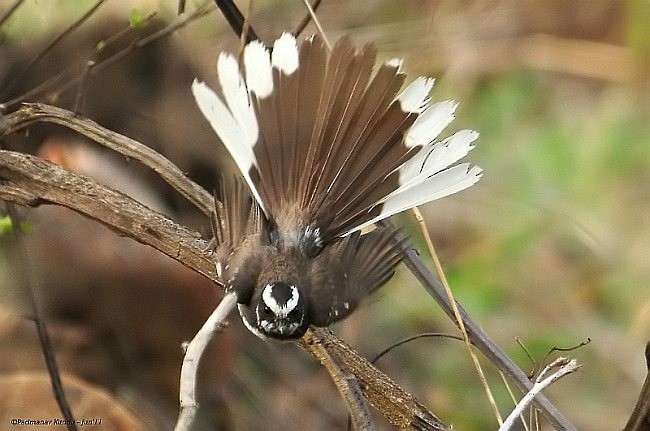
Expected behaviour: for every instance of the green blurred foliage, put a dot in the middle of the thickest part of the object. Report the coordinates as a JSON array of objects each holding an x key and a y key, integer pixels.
[{"x": 638, "y": 31}]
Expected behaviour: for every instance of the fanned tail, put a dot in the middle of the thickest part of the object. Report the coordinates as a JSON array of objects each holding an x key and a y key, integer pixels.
[{"x": 327, "y": 146}]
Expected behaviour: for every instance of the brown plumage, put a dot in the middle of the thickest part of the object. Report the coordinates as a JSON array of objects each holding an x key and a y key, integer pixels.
[{"x": 325, "y": 147}]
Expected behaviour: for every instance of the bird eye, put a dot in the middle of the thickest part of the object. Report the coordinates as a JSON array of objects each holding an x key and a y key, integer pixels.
[{"x": 267, "y": 310}]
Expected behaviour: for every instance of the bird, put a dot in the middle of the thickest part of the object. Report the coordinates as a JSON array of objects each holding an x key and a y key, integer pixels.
[{"x": 327, "y": 143}]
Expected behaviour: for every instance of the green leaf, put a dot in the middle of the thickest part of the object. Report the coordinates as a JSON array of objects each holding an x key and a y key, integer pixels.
[
  {"x": 136, "y": 20},
  {"x": 5, "y": 225}
]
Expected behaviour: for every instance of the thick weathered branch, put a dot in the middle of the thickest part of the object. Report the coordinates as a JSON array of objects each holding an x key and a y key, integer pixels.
[
  {"x": 349, "y": 386},
  {"x": 400, "y": 408},
  {"x": 35, "y": 181}
]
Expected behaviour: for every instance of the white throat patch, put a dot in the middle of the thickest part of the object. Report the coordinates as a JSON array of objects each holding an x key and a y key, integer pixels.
[{"x": 280, "y": 310}]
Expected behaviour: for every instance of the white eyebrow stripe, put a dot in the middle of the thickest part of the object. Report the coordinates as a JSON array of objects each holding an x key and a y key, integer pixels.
[{"x": 277, "y": 309}]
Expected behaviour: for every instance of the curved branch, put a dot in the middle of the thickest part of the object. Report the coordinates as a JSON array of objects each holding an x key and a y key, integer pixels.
[
  {"x": 34, "y": 181},
  {"x": 193, "y": 353},
  {"x": 32, "y": 113}
]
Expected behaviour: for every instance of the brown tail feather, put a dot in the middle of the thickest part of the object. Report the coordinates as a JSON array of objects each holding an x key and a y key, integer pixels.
[{"x": 330, "y": 135}]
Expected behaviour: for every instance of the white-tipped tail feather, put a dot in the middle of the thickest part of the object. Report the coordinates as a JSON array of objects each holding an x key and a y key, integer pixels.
[
  {"x": 223, "y": 122},
  {"x": 237, "y": 98},
  {"x": 285, "y": 54},
  {"x": 434, "y": 157},
  {"x": 444, "y": 183},
  {"x": 380, "y": 157},
  {"x": 415, "y": 96},
  {"x": 259, "y": 77},
  {"x": 430, "y": 123}
]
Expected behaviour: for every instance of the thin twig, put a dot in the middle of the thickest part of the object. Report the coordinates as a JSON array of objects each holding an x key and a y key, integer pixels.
[
  {"x": 103, "y": 45},
  {"x": 5, "y": 16},
  {"x": 99, "y": 66},
  {"x": 457, "y": 318},
  {"x": 565, "y": 367},
  {"x": 189, "y": 370},
  {"x": 318, "y": 25},
  {"x": 301, "y": 27},
  {"x": 78, "y": 103},
  {"x": 72, "y": 27},
  {"x": 529, "y": 356},
  {"x": 412, "y": 338},
  {"x": 235, "y": 18},
  {"x": 41, "y": 329},
  {"x": 479, "y": 338}
]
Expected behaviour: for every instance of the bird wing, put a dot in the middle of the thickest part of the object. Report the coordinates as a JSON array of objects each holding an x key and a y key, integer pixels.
[{"x": 349, "y": 270}]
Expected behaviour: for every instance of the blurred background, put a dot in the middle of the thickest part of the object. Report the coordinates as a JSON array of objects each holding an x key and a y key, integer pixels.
[{"x": 551, "y": 248}]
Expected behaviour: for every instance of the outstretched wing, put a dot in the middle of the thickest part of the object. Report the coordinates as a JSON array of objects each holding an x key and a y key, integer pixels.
[
  {"x": 323, "y": 143},
  {"x": 349, "y": 270}
]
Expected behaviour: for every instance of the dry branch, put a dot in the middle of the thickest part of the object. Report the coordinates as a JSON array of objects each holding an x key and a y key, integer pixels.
[
  {"x": 193, "y": 353},
  {"x": 190, "y": 244},
  {"x": 400, "y": 408},
  {"x": 34, "y": 181}
]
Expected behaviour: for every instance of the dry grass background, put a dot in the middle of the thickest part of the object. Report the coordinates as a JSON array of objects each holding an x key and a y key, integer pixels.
[{"x": 551, "y": 247}]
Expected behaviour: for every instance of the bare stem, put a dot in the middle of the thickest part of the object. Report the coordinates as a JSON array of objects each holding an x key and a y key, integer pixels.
[
  {"x": 480, "y": 339},
  {"x": 190, "y": 368},
  {"x": 7, "y": 14},
  {"x": 41, "y": 328},
  {"x": 565, "y": 367}
]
